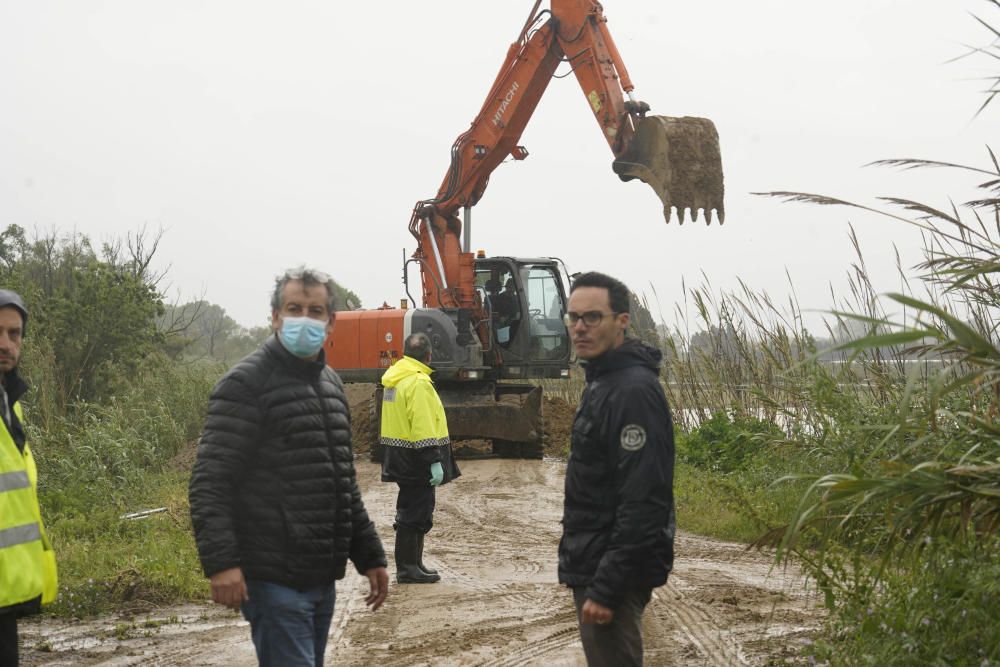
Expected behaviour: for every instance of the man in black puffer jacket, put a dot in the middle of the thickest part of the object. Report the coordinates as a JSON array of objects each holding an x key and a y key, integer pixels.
[
  {"x": 274, "y": 497},
  {"x": 618, "y": 517}
]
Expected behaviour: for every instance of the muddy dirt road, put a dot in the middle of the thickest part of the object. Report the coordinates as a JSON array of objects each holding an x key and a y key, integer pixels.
[{"x": 494, "y": 543}]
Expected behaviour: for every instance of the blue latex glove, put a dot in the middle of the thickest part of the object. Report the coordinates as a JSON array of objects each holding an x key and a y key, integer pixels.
[{"x": 437, "y": 474}]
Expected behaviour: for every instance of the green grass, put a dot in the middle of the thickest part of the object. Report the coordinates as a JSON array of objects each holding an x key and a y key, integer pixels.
[
  {"x": 736, "y": 508},
  {"x": 942, "y": 611},
  {"x": 107, "y": 563},
  {"x": 100, "y": 462}
]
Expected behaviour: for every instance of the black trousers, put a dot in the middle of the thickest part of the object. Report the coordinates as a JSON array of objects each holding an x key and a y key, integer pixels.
[
  {"x": 415, "y": 507},
  {"x": 8, "y": 640},
  {"x": 618, "y": 643}
]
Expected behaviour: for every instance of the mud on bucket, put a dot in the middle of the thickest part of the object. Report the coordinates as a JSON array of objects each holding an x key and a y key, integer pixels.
[{"x": 681, "y": 160}]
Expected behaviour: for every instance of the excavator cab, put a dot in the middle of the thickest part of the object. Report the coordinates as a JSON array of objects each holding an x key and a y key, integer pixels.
[{"x": 525, "y": 300}]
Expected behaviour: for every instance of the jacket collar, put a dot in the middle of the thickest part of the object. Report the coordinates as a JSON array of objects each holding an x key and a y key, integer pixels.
[
  {"x": 404, "y": 368},
  {"x": 14, "y": 385},
  {"x": 633, "y": 352}
]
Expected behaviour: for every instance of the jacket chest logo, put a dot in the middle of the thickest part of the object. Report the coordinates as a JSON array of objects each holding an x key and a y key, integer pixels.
[{"x": 633, "y": 437}]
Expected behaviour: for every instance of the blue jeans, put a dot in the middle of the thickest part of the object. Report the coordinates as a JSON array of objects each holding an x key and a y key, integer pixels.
[{"x": 288, "y": 627}]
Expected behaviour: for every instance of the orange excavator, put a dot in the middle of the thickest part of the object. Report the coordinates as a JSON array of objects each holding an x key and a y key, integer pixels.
[{"x": 495, "y": 323}]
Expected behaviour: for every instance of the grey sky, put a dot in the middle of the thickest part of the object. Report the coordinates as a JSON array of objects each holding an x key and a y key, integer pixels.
[{"x": 261, "y": 135}]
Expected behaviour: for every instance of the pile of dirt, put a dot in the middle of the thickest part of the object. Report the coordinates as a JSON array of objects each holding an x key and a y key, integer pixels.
[
  {"x": 363, "y": 430},
  {"x": 557, "y": 417}
]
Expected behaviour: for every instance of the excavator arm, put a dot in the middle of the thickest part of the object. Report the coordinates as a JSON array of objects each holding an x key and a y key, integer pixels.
[
  {"x": 673, "y": 155},
  {"x": 478, "y": 369}
]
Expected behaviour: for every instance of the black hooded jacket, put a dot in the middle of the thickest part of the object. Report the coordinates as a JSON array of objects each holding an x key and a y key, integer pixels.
[
  {"x": 274, "y": 490},
  {"x": 618, "y": 517}
]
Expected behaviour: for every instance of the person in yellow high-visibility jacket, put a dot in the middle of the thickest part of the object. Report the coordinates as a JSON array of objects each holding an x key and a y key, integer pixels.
[
  {"x": 416, "y": 454},
  {"x": 27, "y": 562}
]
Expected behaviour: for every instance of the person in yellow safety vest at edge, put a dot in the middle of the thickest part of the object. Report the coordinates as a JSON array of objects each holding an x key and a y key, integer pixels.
[
  {"x": 27, "y": 561},
  {"x": 416, "y": 454}
]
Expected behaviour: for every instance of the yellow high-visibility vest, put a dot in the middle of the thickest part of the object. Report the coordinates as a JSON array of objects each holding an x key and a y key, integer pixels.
[{"x": 27, "y": 561}]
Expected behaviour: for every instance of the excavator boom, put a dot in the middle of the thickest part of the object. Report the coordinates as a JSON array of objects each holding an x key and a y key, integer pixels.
[
  {"x": 495, "y": 322},
  {"x": 678, "y": 157}
]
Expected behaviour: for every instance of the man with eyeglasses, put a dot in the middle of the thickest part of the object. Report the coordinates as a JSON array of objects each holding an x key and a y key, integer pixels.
[{"x": 618, "y": 514}]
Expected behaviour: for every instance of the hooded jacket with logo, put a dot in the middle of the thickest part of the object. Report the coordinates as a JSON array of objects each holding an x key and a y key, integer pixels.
[
  {"x": 618, "y": 516},
  {"x": 413, "y": 430}
]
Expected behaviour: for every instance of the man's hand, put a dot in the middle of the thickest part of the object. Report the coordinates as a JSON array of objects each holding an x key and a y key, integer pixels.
[
  {"x": 595, "y": 612},
  {"x": 229, "y": 588},
  {"x": 378, "y": 582},
  {"x": 437, "y": 474}
]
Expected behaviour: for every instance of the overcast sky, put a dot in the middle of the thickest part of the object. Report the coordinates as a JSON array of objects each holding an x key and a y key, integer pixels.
[{"x": 261, "y": 135}]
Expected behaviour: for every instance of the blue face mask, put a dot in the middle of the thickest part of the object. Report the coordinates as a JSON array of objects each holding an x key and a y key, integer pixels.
[{"x": 302, "y": 336}]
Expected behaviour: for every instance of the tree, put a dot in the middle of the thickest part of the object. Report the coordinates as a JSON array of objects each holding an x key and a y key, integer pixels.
[
  {"x": 95, "y": 316},
  {"x": 203, "y": 330}
]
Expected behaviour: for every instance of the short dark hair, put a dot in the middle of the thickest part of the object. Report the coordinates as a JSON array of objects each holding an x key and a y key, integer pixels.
[
  {"x": 618, "y": 294},
  {"x": 310, "y": 278},
  {"x": 417, "y": 346}
]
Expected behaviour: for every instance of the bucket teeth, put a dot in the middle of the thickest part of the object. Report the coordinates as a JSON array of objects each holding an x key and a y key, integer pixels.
[{"x": 681, "y": 160}]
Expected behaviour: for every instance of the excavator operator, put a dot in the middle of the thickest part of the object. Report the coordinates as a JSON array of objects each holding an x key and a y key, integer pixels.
[{"x": 505, "y": 309}]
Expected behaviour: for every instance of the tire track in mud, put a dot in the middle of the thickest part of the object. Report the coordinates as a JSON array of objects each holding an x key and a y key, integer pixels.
[
  {"x": 183, "y": 636},
  {"x": 495, "y": 642},
  {"x": 696, "y": 625},
  {"x": 494, "y": 545},
  {"x": 521, "y": 525},
  {"x": 502, "y": 507},
  {"x": 560, "y": 640},
  {"x": 498, "y": 604},
  {"x": 212, "y": 647}
]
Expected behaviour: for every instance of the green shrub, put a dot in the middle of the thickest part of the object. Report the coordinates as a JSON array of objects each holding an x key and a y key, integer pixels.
[
  {"x": 102, "y": 461},
  {"x": 724, "y": 444},
  {"x": 941, "y": 610},
  {"x": 106, "y": 448}
]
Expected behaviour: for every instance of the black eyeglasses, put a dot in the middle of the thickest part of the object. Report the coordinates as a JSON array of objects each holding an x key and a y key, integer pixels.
[{"x": 591, "y": 318}]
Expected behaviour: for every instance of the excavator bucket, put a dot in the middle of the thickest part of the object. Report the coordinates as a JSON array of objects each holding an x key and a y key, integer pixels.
[{"x": 681, "y": 160}]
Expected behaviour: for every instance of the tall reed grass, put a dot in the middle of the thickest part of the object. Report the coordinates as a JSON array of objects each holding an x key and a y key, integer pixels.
[{"x": 101, "y": 462}]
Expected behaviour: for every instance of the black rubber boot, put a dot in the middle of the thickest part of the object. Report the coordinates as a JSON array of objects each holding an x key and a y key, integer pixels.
[
  {"x": 407, "y": 568},
  {"x": 420, "y": 555}
]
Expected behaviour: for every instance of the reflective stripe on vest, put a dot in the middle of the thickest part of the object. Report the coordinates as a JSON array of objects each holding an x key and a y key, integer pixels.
[
  {"x": 29, "y": 532},
  {"x": 11, "y": 481}
]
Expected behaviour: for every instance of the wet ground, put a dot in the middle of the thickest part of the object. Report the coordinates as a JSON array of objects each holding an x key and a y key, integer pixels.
[{"x": 494, "y": 543}]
